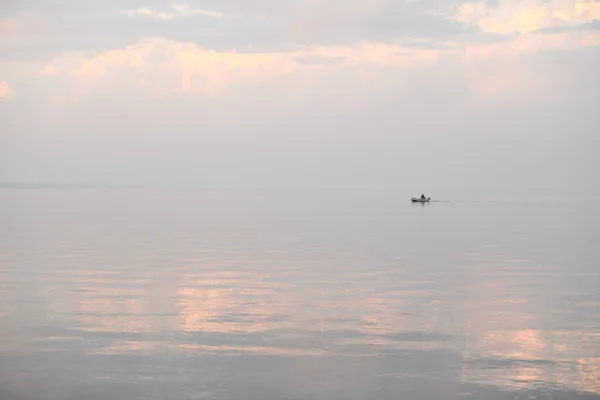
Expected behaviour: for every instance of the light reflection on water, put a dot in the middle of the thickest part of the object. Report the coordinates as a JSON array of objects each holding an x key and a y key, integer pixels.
[{"x": 153, "y": 295}]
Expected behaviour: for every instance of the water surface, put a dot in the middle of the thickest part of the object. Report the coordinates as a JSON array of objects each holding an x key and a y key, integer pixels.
[{"x": 149, "y": 294}]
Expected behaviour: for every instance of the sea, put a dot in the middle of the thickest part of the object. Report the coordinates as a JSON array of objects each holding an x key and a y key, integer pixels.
[{"x": 144, "y": 293}]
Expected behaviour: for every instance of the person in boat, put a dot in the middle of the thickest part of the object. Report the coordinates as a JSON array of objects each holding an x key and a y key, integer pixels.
[{"x": 422, "y": 196}]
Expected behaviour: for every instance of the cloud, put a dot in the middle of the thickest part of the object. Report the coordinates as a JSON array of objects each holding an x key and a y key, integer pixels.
[
  {"x": 588, "y": 26},
  {"x": 9, "y": 26},
  {"x": 525, "y": 16},
  {"x": 535, "y": 42},
  {"x": 48, "y": 70},
  {"x": 384, "y": 21},
  {"x": 181, "y": 66},
  {"x": 43, "y": 30},
  {"x": 172, "y": 61},
  {"x": 318, "y": 60},
  {"x": 5, "y": 90},
  {"x": 165, "y": 66},
  {"x": 178, "y": 11},
  {"x": 23, "y": 25}
]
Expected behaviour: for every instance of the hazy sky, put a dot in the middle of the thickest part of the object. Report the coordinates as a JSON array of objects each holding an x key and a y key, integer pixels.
[{"x": 365, "y": 94}]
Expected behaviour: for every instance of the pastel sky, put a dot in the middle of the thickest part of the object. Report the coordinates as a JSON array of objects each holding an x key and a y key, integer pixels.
[{"x": 426, "y": 95}]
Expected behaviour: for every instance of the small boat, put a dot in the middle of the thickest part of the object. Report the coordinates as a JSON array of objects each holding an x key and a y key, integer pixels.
[{"x": 420, "y": 200}]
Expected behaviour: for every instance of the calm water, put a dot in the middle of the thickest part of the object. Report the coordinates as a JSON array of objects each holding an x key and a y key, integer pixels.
[{"x": 141, "y": 294}]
